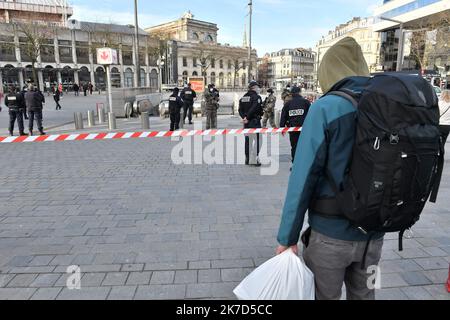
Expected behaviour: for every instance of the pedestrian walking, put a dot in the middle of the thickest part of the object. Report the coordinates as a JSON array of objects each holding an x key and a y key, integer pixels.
[
  {"x": 444, "y": 108},
  {"x": 60, "y": 89},
  {"x": 76, "y": 89},
  {"x": 175, "y": 105},
  {"x": 188, "y": 95},
  {"x": 15, "y": 104},
  {"x": 293, "y": 115},
  {"x": 57, "y": 98},
  {"x": 212, "y": 98},
  {"x": 90, "y": 88},
  {"x": 34, "y": 100},
  {"x": 269, "y": 109},
  {"x": 251, "y": 111},
  {"x": 85, "y": 89}
]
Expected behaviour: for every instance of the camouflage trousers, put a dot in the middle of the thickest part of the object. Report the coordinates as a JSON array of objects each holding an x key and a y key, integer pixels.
[
  {"x": 269, "y": 116},
  {"x": 211, "y": 118}
]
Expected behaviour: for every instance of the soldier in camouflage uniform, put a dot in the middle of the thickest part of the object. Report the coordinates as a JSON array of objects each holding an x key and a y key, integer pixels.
[
  {"x": 286, "y": 95},
  {"x": 211, "y": 105},
  {"x": 269, "y": 109}
]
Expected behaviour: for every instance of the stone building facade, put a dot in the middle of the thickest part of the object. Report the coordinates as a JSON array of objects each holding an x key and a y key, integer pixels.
[{"x": 193, "y": 51}]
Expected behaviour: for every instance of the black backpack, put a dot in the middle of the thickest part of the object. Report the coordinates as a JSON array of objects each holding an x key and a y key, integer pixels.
[{"x": 398, "y": 156}]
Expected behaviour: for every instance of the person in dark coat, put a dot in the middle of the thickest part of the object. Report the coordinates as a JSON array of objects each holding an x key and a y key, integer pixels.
[
  {"x": 175, "y": 105},
  {"x": 57, "y": 98}
]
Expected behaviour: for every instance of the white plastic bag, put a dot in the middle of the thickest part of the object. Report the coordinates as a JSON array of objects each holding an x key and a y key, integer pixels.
[{"x": 284, "y": 277}]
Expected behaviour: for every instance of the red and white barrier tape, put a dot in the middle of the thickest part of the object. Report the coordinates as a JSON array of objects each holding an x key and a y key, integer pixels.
[{"x": 136, "y": 135}]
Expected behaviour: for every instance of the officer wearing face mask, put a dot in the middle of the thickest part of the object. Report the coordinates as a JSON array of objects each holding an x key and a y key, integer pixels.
[
  {"x": 251, "y": 111},
  {"x": 293, "y": 115},
  {"x": 212, "y": 99}
]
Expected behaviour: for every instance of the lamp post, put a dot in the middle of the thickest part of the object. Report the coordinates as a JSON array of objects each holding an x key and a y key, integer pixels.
[
  {"x": 250, "y": 6},
  {"x": 401, "y": 40},
  {"x": 137, "y": 76}
]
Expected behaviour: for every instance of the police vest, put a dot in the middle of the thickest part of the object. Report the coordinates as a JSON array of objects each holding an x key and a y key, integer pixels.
[
  {"x": 173, "y": 105},
  {"x": 188, "y": 95},
  {"x": 12, "y": 102},
  {"x": 297, "y": 113}
]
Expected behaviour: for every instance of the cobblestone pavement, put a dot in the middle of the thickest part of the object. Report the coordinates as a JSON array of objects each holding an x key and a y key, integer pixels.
[{"x": 141, "y": 227}]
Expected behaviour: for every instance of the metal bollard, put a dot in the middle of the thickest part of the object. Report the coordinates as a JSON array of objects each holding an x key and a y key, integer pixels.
[
  {"x": 145, "y": 120},
  {"x": 277, "y": 117},
  {"x": 101, "y": 115},
  {"x": 112, "y": 121},
  {"x": 91, "y": 118},
  {"x": 181, "y": 125},
  {"x": 78, "y": 117}
]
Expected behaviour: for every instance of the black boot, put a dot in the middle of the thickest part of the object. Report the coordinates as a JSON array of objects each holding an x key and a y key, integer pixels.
[
  {"x": 42, "y": 132},
  {"x": 31, "y": 133},
  {"x": 23, "y": 133},
  {"x": 11, "y": 133}
]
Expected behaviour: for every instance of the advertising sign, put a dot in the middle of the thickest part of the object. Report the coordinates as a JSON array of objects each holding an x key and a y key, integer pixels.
[
  {"x": 197, "y": 84},
  {"x": 107, "y": 56}
]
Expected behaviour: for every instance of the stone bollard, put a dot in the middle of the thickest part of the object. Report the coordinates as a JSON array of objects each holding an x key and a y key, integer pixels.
[
  {"x": 101, "y": 115},
  {"x": 145, "y": 120},
  {"x": 112, "y": 121},
  {"x": 277, "y": 117},
  {"x": 91, "y": 118},
  {"x": 78, "y": 118}
]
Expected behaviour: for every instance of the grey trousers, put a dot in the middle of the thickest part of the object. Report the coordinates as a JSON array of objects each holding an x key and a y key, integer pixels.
[{"x": 335, "y": 262}]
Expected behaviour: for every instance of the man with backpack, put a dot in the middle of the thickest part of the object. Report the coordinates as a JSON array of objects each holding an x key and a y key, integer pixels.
[{"x": 370, "y": 155}]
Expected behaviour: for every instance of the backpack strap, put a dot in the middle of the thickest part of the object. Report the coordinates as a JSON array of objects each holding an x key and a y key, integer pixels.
[
  {"x": 440, "y": 169},
  {"x": 346, "y": 94}
]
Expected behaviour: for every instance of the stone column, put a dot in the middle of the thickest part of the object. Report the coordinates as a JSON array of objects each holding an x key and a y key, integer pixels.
[
  {"x": 41, "y": 80},
  {"x": 75, "y": 77},
  {"x": 21, "y": 82},
  {"x": 58, "y": 75},
  {"x": 74, "y": 47},
  {"x": 56, "y": 46},
  {"x": 122, "y": 69}
]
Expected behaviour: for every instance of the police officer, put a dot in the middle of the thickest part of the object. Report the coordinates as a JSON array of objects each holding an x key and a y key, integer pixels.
[
  {"x": 34, "y": 100},
  {"x": 286, "y": 94},
  {"x": 15, "y": 104},
  {"x": 24, "y": 110},
  {"x": 293, "y": 115},
  {"x": 251, "y": 111},
  {"x": 175, "y": 105},
  {"x": 188, "y": 95},
  {"x": 212, "y": 99},
  {"x": 269, "y": 109}
]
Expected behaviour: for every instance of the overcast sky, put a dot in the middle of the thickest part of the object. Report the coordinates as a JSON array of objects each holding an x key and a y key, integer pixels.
[{"x": 277, "y": 24}]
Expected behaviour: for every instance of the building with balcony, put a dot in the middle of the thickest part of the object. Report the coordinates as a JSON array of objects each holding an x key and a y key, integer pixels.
[
  {"x": 193, "y": 51},
  {"x": 362, "y": 30},
  {"x": 289, "y": 66},
  {"x": 67, "y": 52}
]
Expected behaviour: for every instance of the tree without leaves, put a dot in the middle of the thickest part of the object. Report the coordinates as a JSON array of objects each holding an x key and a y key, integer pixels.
[
  {"x": 238, "y": 62},
  {"x": 430, "y": 39},
  {"x": 207, "y": 54},
  {"x": 35, "y": 36}
]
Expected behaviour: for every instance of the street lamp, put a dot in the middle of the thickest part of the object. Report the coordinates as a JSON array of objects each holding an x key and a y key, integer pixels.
[
  {"x": 160, "y": 66},
  {"x": 136, "y": 35},
  {"x": 401, "y": 40}
]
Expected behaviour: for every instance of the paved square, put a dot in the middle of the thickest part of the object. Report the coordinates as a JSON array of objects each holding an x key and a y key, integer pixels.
[{"x": 141, "y": 227}]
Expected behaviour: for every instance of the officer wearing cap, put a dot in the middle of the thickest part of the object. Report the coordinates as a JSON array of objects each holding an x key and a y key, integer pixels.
[
  {"x": 15, "y": 104},
  {"x": 251, "y": 111},
  {"x": 293, "y": 115},
  {"x": 269, "y": 109},
  {"x": 211, "y": 105},
  {"x": 188, "y": 95},
  {"x": 175, "y": 105},
  {"x": 286, "y": 94}
]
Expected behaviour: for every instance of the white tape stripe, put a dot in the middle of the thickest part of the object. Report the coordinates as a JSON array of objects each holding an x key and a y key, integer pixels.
[
  {"x": 9, "y": 139},
  {"x": 92, "y": 136},
  {"x": 127, "y": 135},
  {"x": 110, "y": 136},
  {"x": 30, "y": 139},
  {"x": 72, "y": 137},
  {"x": 52, "y": 138}
]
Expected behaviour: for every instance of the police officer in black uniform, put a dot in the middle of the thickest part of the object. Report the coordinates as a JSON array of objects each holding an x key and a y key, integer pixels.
[
  {"x": 175, "y": 105},
  {"x": 251, "y": 111},
  {"x": 188, "y": 95},
  {"x": 15, "y": 103},
  {"x": 293, "y": 115}
]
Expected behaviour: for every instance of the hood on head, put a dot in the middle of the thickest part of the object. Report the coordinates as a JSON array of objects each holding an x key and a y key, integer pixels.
[{"x": 342, "y": 60}]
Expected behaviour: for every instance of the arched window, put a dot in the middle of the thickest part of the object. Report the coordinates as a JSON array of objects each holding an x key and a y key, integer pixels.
[
  {"x": 209, "y": 38},
  {"x": 115, "y": 78},
  {"x": 229, "y": 79},
  {"x": 195, "y": 36},
  {"x": 221, "y": 80},
  {"x": 84, "y": 75},
  {"x": 213, "y": 77},
  {"x": 100, "y": 77},
  {"x": 143, "y": 78},
  {"x": 154, "y": 79},
  {"x": 195, "y": 74},
  {"x": 185, "y": 76},
  {"x": 128, "y": 77}
]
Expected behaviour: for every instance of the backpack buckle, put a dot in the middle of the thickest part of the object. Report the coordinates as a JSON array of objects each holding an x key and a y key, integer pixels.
[{"x": 394, "y": 139}]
